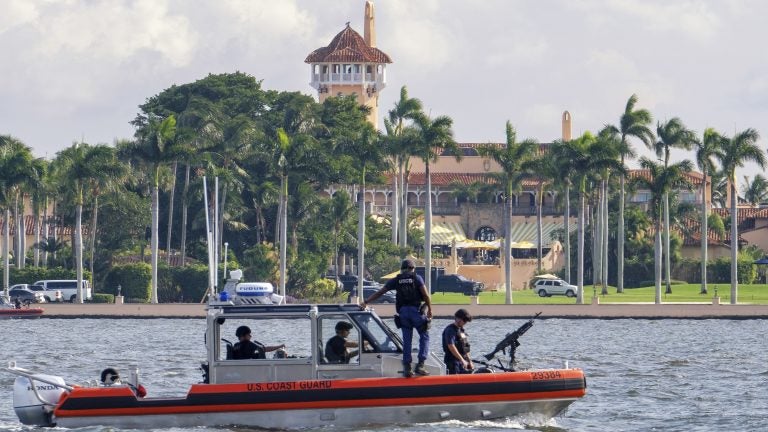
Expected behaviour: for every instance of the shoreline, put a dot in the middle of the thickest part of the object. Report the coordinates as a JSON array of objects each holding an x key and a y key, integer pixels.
[{"x": 587, "y": 311}]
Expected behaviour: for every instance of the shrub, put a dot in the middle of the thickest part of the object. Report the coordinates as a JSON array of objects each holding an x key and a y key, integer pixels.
[
  {"x": 103, "y": 298},
  {"x": 134, "y": 279}
]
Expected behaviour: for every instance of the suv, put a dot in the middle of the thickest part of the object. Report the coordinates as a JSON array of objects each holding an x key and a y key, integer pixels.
[
  {"x": 457, "y": 283},
  {"x": 550, "y": 287}
]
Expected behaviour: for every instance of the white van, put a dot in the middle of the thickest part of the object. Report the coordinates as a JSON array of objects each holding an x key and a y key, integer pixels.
[{"x": 64, "y": 290}]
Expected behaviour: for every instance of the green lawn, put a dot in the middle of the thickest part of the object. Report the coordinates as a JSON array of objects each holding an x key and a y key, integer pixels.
[{"x": 688, "y": 293}]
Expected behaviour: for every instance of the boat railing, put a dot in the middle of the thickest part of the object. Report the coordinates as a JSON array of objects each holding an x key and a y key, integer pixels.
[{"x": 34, "y": 376}]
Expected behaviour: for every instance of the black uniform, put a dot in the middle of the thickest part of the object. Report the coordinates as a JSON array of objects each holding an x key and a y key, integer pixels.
[{"x": 249, "y": 350}]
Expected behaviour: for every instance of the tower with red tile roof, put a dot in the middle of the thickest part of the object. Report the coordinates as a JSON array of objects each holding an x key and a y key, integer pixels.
[{"x": 351, "y": 64}]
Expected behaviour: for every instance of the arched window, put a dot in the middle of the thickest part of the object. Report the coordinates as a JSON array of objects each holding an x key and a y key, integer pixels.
[{"x": 485, "y": 233}]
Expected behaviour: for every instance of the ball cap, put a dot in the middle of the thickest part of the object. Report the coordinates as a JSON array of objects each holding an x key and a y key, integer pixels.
[{"x": 407, "y": 264}]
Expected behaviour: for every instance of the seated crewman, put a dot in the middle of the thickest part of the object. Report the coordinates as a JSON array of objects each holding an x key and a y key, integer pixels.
[
  {"x": 336, "y": 348},
  {"x": 248, "y": 349}
]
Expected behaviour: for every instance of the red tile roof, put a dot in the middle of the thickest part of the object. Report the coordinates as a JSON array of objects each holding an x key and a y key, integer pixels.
[
  {"x": 694, "y": 177},
  {"x": 348, "y": 46}
]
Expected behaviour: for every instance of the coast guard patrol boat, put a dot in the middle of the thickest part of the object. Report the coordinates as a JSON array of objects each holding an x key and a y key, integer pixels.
[{"x": 300, "y": 390}]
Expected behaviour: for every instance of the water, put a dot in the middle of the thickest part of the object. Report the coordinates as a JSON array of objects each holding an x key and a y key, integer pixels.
[{"x": 642, "y": 375}]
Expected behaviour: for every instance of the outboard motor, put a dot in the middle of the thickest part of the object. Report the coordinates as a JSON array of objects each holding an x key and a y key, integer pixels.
[{"x": 34, "y": 405}]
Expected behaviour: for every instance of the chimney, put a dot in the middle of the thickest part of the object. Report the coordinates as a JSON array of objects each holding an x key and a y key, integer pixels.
[
  {"x": 369, "y": 29},
  {"x": 566, "y": 126}
]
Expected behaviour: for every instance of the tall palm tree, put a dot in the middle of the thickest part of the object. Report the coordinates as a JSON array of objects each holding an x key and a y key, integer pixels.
[
  {"x": 587, "y": 155},
  {"x": 108, "y": 174},
  {"x": 405, "y": 110},
  {"x": 39, "y": 196},
  {"x": 15, "y": 171},
  {"x": 737, "y": 151},
  {"x": 435, "y": 137},
  {"x": 155, "y": 147},
  {"x": 513, "y": 159},
  {"x": 564, "y": 167},
  {"x": 671, "y": 134},
  {"x": 633, "y": 123},
  {"x": 610, "y": 138},
  {"x": 81, "y": 165},
  {"x": 660, "y": 181},
  {"x": 706, "y": 149}
]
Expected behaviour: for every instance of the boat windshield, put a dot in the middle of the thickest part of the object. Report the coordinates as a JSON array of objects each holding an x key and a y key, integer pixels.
[{"x": 382, "y": 338}]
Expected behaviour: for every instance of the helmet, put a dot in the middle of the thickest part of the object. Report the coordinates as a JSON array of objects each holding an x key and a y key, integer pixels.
[
  {"x": 407, "y": 264},
  {"x": 242, "y": 331}
]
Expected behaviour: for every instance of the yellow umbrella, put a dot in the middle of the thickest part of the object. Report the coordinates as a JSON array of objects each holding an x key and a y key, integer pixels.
[{"x": 389, "y": 276}]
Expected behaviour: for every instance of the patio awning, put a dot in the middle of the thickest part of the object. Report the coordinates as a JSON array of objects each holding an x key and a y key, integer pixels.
[{"x": 443, "y": 233}]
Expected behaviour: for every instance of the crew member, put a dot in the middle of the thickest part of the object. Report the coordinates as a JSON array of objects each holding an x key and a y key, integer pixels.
[
  {"x": 336, "y": 348},
  {"x": 110, "y": 377},
  {"x": 248, "y": 349},
  {"x": 411, "y": 293},
  {"x": 456, "y": 344}
]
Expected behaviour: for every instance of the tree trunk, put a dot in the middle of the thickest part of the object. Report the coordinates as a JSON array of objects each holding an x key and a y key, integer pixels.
[
  {"x": 361, "y": 240},
  {"x": 36, "y": 253},
  {"x": 539, "y": 235},
  {"x": 428, "y": 232},
  {"x": 395, "y": 208},
  {"x": 94, "y": 222},
  {"x": 657, "y": 262},
  {"x": 620, "y": 237},
  {"x": 283, "y": 222},
  {"x": 19, "y": 253},
  {"x": 154, "y": 246},
  {"x": 508, "y": 248},
  {"x": 184, "y": 210},
  {"x": 667, "y": 250},
  {"x": 734, "y": 244},
  {"x": 704, "y": 233},
  {"x": 6, "y": 247},
  {"x": 79, "y": 250},
  {"x": 404, "y": 209},
  {"x": 170, "y": 215},
  {"x": 604, "y": 245},
  {"x": 567, "y": 228},
  {"x": 580, "y": 251},
  {"x": 46, "y": 234}
]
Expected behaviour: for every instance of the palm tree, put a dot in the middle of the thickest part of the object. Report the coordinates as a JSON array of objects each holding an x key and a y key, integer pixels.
[
  {"x": 435, "y": 137},
  {"x": 736, "y": 152},
  {"x": 155, "y": 147},
  {"x": 513, "y": 158},
  {"x": 398, "y": 148},
  {"x": 15, "y": 170},
  {"x": 633, "y": 123},
  {"x": 587, "y": 155},
  {"x": 672, "y": 134},
  {"x": 660, "y": 181},
  {"x": 39, "y": 197},
  {"x": 81, "y": 166},
  {"x": 341, "y": 211},
  {"x": 708, "y": 147},
  {"x": 756, "y": 190},
  {"x": 609, "y": 138},
  {"x": 564, "y": 168},
  {"x": 49, "y": 245},
  {"x": 107, "y": 175}
]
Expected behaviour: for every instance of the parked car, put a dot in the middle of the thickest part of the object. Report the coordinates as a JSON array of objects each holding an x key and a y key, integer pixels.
[
  {"x": 25, "y": 295},
  {"x": 68, "y": 288},
  {"x": 458, "y": 284},
  {"x": 550, "y": 287},
  {"x": 350, "y": 282},
  {"x": 387, "y": 297}
]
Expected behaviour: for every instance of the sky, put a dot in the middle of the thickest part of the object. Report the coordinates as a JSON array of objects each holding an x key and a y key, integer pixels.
[{"x": 74, "y": 70}]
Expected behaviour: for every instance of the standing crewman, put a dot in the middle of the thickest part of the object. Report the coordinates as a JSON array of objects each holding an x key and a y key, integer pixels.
[
  {"x": 411, "y": 293},
  {"x": 456, "y": 344}
]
